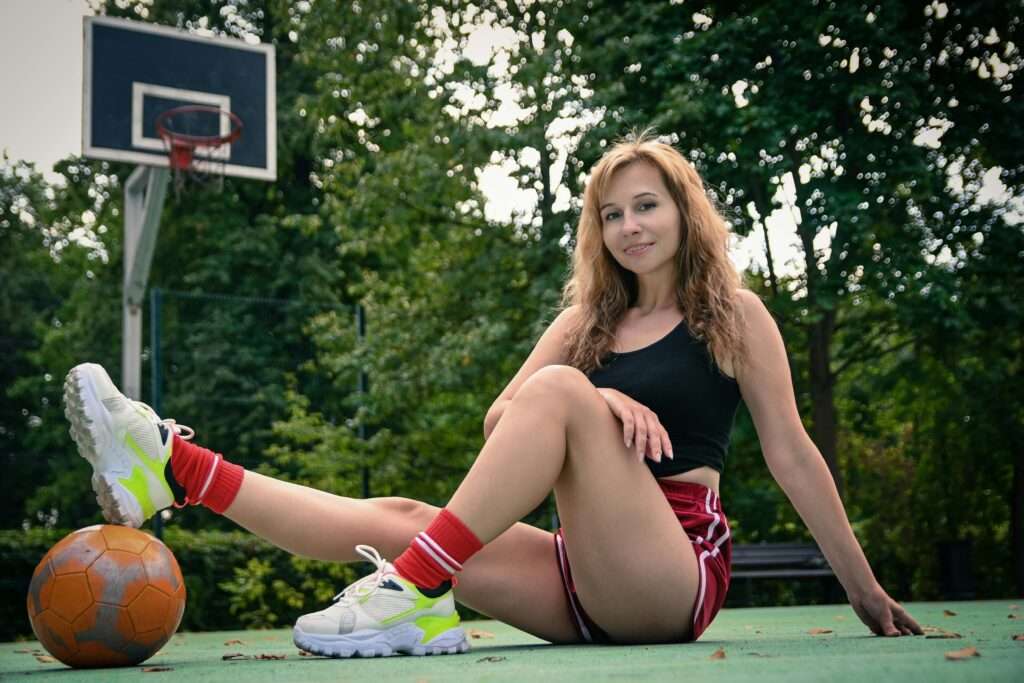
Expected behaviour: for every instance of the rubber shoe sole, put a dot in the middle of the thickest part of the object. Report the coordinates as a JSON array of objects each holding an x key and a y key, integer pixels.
[
  {"x": 404, "y": 639},
  {"x": 92, "y": 430}
]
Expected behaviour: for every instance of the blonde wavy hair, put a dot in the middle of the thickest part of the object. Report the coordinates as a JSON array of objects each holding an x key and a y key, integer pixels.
[{"x": 706, "y": 282}]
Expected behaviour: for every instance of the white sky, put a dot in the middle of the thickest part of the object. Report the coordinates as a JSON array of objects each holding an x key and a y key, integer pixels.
[{"x": 41, "y": 83}]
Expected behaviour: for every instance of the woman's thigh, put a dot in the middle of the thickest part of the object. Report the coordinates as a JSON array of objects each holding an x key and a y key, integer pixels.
[{"x": 633, "y": 565}]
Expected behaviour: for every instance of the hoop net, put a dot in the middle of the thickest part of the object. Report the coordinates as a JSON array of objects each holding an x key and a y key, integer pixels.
[{"x": 198, "y": 139}]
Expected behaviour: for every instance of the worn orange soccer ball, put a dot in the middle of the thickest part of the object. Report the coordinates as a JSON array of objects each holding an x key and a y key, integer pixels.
[{"x": 106, "y": 596}]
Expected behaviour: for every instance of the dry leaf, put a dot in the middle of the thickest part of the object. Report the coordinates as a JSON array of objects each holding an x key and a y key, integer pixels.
[
  {"x": 155, "y": 669},
  {"x": 758, "y": 654},
  {"x": 934, "y": 632},
  {"x": 840, "y": 618},
  {"x": 234, "y": 641},
  {"x": 234, "y": 655},
  {"x": 1019, "y": 636},
  {"x": 948, "y": 613},
  {"x": 718, "y": 654},
  {"x": 303, "y": 653},
  {"x": 965, "y": 653},
  {"x": 1013, "y": 616},
  {"x": 479, "y": 633},
  {"x": 45, "y": 659},
  {"x": 819, "y": 631},
  {"x": 1014, "y": 607},
  {"x": 24, "y": 652},
  {"x": 265, "y": 656},
  {"x": 490, "y": 659}
]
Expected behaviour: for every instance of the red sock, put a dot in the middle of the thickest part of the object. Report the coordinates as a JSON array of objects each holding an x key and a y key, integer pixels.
[
  {"x": 436, "y": 554},
  {"x": 208, "y": 479}
]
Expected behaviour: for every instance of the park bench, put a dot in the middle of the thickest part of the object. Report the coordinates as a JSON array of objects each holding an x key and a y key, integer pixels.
[{"x": 783, "y": 561}]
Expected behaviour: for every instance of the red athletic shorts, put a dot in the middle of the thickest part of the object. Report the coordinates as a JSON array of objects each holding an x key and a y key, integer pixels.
[{"x": 700, "y": 515}]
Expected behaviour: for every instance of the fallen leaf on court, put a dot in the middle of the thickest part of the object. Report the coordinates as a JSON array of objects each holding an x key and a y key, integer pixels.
[
  {"x": 1019, "y": 636},
  {"x": 234, "y": 641},
  {"x": 1014, "y": 607},
  {"x": 840, "y": 618},
  {"x": 479, "y": 633},
  {"x": 155, "y": 669},
  {"x": 303, "y": 653},
  {"x": 491, "y": 659},
  {"x": 265, "y": 656},
  {"x": 45, "y": 659},
  {"x": 234, "y": 655},
  {"x": 948, "y": 613},
  {"x": 965, "y": 653},
  {"x": 819, "y": 631},
  {"x": 718, "y": 654},
  {"x": 1013, "y": 616},
  {"x": 24, "y": 652},
  {"x": 935, "y": 632},
  {"x": 759, "y": 654}
]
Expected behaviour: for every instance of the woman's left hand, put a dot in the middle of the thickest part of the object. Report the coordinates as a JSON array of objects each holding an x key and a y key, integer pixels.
[{"x": 883, "y": 615}]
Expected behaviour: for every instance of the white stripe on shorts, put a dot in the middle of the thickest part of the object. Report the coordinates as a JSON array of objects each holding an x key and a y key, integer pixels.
[
  {"x": 560, "y": 551},
  {"x": 709, "y": 553}
]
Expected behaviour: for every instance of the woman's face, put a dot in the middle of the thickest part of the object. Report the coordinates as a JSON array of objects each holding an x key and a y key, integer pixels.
[{"x": 640, "y": 222}]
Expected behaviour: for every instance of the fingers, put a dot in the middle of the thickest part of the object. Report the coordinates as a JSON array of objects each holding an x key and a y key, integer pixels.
[
  {"x": 641, "y": 436},
  {"x": 627, "y": 429},
  {"x": 642, "y": 432},
  {"x": 665, "y": 443},
  {"x": 906, "y": 623},
  {"x": 658, "y": 445}
]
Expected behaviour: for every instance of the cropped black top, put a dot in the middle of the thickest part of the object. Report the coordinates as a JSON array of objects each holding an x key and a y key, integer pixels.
[{"x": 677, "y": 379}]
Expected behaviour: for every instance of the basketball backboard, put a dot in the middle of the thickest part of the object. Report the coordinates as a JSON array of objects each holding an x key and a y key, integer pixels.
[{"x": 136, "y": 71}]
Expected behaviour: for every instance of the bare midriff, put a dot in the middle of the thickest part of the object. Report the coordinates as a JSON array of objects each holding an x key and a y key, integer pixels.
[{"x": 705, "y": 476}]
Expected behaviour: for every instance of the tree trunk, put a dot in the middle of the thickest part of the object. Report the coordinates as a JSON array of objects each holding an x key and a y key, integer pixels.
[
  {"x": 1017, "y": 520},
  {"x": 823, "y": 407},
  {"x": 823, "y": 410}
]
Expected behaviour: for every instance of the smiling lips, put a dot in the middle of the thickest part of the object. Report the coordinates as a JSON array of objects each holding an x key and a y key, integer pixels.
[{"x": 638, "y": 249}]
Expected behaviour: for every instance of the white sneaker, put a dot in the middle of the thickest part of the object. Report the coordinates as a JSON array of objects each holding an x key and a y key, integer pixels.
[
  {"x": 125, "y": 441},
  {"x": 383, "y": 615}
]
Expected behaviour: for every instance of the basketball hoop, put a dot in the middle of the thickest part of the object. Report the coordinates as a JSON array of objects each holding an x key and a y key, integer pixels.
[{"x": 197, "y": 136}]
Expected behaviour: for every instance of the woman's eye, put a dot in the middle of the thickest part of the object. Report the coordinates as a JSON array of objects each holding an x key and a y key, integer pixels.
[
  {"x": 647, "y": 206},
  {"x": 611, "y": 215}
]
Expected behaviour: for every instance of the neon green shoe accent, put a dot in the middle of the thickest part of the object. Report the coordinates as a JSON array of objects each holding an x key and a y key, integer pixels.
[
  {"x": 422, "y": 602},
  {"x": 435, "y": 626},
  {"x": 137, "y": 482}
]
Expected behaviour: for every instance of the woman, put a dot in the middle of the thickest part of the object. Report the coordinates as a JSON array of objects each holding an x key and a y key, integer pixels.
[{"x": 640, "y": 375}]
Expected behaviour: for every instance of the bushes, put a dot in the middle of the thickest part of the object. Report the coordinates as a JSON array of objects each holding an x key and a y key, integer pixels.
[{"x": 234, "y": 579}]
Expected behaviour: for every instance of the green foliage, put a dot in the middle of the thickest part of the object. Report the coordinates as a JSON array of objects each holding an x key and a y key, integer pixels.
[{"x": 378, "y": 203}]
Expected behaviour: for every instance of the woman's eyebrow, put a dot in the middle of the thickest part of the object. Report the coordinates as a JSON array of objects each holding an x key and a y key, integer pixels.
[{"x": 636, "y": 196}]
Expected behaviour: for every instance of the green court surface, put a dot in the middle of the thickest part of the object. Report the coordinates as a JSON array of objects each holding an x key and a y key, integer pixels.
[{"x": 759, "y": 644}]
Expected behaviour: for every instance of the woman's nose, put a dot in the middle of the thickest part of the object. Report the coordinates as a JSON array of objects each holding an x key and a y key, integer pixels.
[{"x": 630, "y": 225}]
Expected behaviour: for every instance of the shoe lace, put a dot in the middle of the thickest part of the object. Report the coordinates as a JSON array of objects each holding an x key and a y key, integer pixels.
[
  {"x": 368, "y": 584},
  {"x": 184, "y": 431}
]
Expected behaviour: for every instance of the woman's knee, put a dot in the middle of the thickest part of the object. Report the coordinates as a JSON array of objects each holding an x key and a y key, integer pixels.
[
  {"x": 406, "y": 509},
  {"x": 560, "y": 382}
]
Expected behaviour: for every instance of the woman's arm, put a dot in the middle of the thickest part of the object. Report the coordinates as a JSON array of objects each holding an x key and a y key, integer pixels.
[{"x": 798, "y": 467}]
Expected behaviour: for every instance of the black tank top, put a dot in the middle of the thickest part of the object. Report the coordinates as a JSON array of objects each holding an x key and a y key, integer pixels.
[{"x": 677, "y": 379}]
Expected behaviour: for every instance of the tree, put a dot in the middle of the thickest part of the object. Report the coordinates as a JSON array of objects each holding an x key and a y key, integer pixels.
[{"x": 849, "y": 100}]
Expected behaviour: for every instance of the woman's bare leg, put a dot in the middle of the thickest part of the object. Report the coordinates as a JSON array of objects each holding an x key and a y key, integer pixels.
[
  {"x": 514, "y": 579},
  {"x": 634, "y": 569}
]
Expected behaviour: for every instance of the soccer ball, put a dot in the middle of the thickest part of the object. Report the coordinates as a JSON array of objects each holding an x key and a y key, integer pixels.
[{"x": 106, "y": 596}]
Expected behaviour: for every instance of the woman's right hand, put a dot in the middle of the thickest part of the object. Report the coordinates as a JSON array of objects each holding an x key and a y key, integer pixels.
[{"x": 641, "y": 430}]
